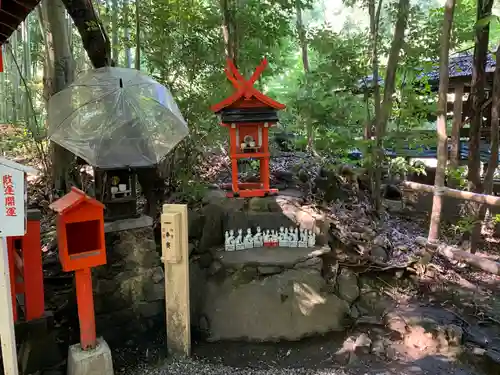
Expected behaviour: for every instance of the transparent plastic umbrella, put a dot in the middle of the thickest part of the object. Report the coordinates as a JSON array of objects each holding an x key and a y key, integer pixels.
[{"x": 115, "y": 118}]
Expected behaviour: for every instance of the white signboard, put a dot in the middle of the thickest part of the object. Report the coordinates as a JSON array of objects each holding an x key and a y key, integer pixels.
[{"x": 12, "y": 201}]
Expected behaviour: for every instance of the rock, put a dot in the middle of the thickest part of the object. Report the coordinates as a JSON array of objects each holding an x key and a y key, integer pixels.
[
  {"x": 379, "y": 253},
  {"x": 191, "y": 248},
  {"x": 380, "y": 241},
  {"x": 454, "y": 334},
  {"x": 244, "y": 275},
  {"x": 315, "y": 263},
  {"x": 328, "y": 184},
  {"x": 363, "y": 344},
  {"x": 278, "y": 256},
  {"x": 347, "y": 285},
  {"x": 152, "y": 309},
  {"x": 205, "y": 260},
  {"x": 214, "y": 196},
  {"x": 266, "y": 204},
  {"x": 304, "y": 219},
  {"x": 197, "y": 290},
  {"x": 268, "y": 270},
  {"x": 195, "y": 224},
  {"x": 378, "y": 348},
  {"x": 289, "y": 305},
  {"x": 215, "y": 268},
  {"x": 213, "y": 231},
  {"x": 421, "y": 241},
  {"x": 354, "y": 312}
]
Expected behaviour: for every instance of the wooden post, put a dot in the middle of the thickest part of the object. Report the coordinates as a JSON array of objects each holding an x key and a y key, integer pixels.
[
  {"x": 457, "y": 124},
  {"x": 7, "y": 333},
  {"x": 174, "y": 227},
  {"x": 85, "y": 302}
]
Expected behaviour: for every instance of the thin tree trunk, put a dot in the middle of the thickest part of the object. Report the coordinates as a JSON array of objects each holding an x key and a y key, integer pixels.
[
  {"x": 386, "y": 107},
  {"x": 478, "y": 98},
  {"x": 457, "y": 124},
  {"x": 137, "y": 35},
  {"x": 126, "y": 14},
  {"x": 495, "y": 118},
  {"x": 114, "y": 32},
  {"x": 227, "y": 30},
  {"x": 305, "y": 63},
  {"x": 61, "y": 74},
  {"x": 94, "y": 38},
  {"x": 374, "y": 27},
  {"x": 442, "y": 106}
]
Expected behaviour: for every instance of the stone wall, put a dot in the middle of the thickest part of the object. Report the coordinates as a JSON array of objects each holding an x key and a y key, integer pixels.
[
  {"x": 271, "y": 294},
  {"x": 129, "y": 291}
]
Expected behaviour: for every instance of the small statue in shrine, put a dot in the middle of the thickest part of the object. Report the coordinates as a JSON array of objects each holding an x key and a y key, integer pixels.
[
  {"x": 267, "y": 238},
  {"x": 311, "y": 241},
  {"x": 229, "y": 242},
  {"x": 274, "y": 238},
  {"x": 303, "y": 238},
  {"x": 294, "y": 237},
  {"x": 283, "y": 237},
  {"x": 239, "y": 240},
  {"x": 249, "y": 239},
  {"x": 257, "y": 239}
]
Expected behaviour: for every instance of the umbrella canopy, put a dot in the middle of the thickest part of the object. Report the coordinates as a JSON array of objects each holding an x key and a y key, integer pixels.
[{"x": 115, "y": 118}]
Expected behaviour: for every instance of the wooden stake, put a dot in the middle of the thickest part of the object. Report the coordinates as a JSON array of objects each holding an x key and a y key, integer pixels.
[
  {"x": 175, "y": 251},
  {"x": 7, "y": 332}
]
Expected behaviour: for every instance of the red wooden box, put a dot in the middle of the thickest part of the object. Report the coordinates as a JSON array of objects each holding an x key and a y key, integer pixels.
[{"x": 80, "y": 231}]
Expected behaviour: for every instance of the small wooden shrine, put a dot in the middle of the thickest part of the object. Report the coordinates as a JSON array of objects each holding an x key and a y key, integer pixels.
[{"x": 248, "y": 114}]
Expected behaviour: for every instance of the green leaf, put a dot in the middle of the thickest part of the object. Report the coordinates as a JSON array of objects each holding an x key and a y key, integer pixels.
[{"x": 483, "y": 22}]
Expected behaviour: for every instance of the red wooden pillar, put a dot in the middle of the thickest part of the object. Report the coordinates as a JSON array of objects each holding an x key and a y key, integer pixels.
[
  {"x": 85, "y": 301},
  {"x": 33, "y": 271},
  {"x": 13, "y": 272}
]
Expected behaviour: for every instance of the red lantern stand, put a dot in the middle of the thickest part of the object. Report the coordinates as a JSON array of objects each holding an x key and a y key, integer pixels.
[
  {"x": 80, "y": 235},
  {"x": 248, "y": 114}
]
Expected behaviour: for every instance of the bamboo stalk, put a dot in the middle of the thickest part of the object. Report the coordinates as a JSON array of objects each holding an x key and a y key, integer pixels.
[{"x": 490, "y": 200}]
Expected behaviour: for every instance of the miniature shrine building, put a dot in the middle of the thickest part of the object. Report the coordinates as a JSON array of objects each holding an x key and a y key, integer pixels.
[{"x": 248, "y": 114}]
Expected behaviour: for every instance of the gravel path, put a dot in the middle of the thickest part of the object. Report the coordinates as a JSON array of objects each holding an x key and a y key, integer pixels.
[{"x": 187, "y": 367}]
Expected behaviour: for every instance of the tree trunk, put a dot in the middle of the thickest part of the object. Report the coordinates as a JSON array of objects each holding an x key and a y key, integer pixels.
[
  {"x": 114, "y": 32},
  {"x": 457, "y": 124},
  {"x": 478, "y": 98},
  {"x": 374, "y": 27},
  {"x": 390, "y": 80},
  {"x": 60, "y": 75},
  {"x": 94, "y": 37},
  {"x": 227, "y": 30},
  {"x": 495, "y": 118},
  {"x": 137, "y": 35},
  {"x": 126, "y": 16},
  {"x": 442, "y": 150},
  {"x": 305, "y": 63}
]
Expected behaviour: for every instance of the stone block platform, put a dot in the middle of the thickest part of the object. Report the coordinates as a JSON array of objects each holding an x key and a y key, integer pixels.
[
  {"x": 129, "y": 291},
  {"x": 269, "y": 294}
]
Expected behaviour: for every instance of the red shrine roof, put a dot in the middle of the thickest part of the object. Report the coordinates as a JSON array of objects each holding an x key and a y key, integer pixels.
[
  {"x": 71, "y": 200},
  {"x": 12, "y": 13},
  {"x": 245, "y": 89}
]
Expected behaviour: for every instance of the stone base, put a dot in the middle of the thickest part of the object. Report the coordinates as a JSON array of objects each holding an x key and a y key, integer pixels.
[
  {"x": 129, "y": 291},
  {"x": 38, "y": 349},
  {"x": 90, "y": 362},
  {"x": 269, "y": 295}
]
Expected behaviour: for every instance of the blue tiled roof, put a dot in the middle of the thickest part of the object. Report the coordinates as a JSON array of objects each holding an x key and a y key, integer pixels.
[{"x": 460, "y": 65}]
